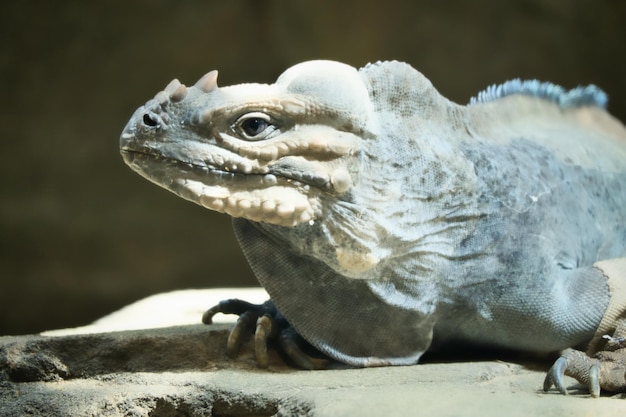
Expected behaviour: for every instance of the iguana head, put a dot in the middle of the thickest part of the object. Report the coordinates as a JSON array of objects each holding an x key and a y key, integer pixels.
[{"x": 268, "y": 153}]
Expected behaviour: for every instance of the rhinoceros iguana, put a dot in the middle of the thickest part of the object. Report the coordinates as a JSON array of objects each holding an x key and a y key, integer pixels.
[{"x": 384, "y": 219}]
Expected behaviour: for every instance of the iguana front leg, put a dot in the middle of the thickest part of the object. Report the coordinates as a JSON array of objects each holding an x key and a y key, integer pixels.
[
  {"x": 603, "y": 368},
  {"x": 268, "y": 326}
]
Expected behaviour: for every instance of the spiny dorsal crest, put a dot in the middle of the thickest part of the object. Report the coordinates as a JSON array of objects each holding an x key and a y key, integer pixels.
[{"x": 581, "y": 96}]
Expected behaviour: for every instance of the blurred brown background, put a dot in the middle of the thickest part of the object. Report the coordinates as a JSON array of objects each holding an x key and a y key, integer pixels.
[{"x": 81, "y": 235}]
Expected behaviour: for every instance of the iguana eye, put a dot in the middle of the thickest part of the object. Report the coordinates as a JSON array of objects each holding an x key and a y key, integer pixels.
[{"x": 254, "y": 126}]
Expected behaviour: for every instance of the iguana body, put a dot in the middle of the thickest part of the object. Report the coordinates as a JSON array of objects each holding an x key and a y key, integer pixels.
[{"x": 383, "y": 219}]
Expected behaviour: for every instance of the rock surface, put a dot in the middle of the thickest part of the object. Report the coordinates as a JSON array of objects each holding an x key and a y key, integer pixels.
[{"x": 183, "y": 371}]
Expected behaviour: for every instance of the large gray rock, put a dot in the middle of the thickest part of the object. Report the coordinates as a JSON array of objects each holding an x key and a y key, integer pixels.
[{"x": 183, "y": 371}]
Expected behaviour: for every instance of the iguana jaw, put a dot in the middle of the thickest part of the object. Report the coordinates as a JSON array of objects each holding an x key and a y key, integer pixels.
[{"x": 258, "y": 197}]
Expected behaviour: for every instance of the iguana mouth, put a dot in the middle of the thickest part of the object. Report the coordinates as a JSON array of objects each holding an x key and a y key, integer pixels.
[
  {"x": 207, "y": 171},
  {"x": 257, "y": 196},
  {"x": 140, "y": 156}
]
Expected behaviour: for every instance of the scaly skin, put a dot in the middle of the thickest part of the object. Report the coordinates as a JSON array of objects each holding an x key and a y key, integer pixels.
[{"x": 382, "y": 218}]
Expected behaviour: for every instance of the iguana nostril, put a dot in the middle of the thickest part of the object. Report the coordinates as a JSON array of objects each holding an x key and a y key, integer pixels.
[{"x": 149, "y": 121}]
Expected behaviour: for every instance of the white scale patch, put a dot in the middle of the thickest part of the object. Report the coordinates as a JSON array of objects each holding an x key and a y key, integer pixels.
[{"x": 280, "y": 205}]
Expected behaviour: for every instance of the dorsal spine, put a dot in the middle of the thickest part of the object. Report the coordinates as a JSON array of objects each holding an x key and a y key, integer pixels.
[{"x": 589, "y": 95}]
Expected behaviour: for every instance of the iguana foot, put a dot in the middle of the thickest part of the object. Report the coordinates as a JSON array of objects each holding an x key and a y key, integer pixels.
[
  {"x": 268, "y": 326},
  {"x": 606, "y": 370}
]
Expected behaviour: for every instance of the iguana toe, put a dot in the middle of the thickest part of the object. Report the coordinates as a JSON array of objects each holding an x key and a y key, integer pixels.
[{"x": 233, "y": 306}]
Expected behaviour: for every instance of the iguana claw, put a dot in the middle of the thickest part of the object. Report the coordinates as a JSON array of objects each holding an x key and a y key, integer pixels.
[
  {"x": 265, "y": 329},
  {"x": 554, "y": 377},
  {"x": 268, "y": 325}
]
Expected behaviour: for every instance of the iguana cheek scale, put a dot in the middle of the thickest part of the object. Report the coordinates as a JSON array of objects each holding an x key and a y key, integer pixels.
[{"x": 384, "y": 219}]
